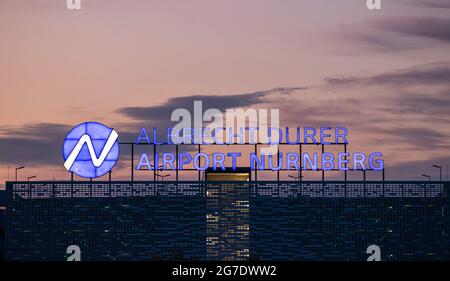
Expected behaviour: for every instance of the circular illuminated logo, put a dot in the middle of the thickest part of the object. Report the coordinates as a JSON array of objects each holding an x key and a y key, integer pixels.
[{"x": 91, "y": 150}]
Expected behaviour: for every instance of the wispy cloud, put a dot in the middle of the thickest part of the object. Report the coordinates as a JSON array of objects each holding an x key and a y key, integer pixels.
[
  {"x": 420, "y": 137},
  {"x": 428, "y": 74},
  {"x": 431, "y": 105},
  {"x": 393, "y": 34},
  {"x": 430, "y": 3},
  {"x": 162, "y": 112},
  {"x": 430, "y": 27},
  {"x": 32, "y": 144}
]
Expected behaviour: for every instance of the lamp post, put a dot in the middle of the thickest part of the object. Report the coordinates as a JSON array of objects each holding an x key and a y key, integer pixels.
[
  {"x": 298, "y": 177},
  {"x": 19, "y": 168},
  {"x": 427, "y": 176},
  {"x": 440, "y": 171},
  {"x": 32, "y": 177},
  {"x": 155, "y": 171}
]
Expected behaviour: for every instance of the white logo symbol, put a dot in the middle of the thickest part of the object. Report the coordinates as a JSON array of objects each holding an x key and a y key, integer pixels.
[
  {"x": 73, "y": 4},
  {"x": 87, "y": 139},
  {"x": 75, "y": 253},
  {"x": 374, "y": 4}
]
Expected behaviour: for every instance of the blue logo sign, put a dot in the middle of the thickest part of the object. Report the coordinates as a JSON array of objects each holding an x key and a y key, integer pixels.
[{"x": 91, "y": 150}]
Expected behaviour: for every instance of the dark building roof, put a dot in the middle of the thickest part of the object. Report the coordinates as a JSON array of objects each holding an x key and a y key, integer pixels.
[
  {"x": 229, "y": 170},
  {"x": 2, "y": 197}
]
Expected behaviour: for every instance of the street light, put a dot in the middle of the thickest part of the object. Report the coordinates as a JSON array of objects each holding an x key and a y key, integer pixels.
[
  {"x": 440, "y": 171},
  {"x": 19, "y": 168},
  {"x": 156, "y": 168},
  {"x": 427, "y": 176},
  {"x": 298, "y": 177},
  {"x": 32, "y": 177}
]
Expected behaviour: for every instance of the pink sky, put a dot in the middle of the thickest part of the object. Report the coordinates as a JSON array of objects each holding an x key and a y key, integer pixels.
[{"x": 390, "y": 70}]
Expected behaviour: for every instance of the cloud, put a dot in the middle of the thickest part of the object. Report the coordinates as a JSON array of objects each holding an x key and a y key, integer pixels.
[
  {"x": 430, "y": 27},
  {"x": 393, "y": 34},
  {"x": 162, "y": 112},
  {"x": 370, "y": 40},
  {"x": 419, "y": 137},
  {"x": 428, "y": 74},
  {"x": 32, "y": 144},
  {"x": 415, "y": 95},
  {"x": 36, "y": 131},
  {"x": 430, "y": 3},
  {"x": 430, "y": 105},
  {"x": 402, "y": 109}
]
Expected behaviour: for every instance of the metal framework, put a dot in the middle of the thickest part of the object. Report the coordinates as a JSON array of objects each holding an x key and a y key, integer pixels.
[
  {"x": 277, "y": 189},
  {"x": 255, "y": 145}
]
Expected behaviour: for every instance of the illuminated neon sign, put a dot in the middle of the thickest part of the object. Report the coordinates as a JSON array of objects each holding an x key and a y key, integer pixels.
[
  {"x": 90, "y": 150},
  {"x": 263, "y": 161}
]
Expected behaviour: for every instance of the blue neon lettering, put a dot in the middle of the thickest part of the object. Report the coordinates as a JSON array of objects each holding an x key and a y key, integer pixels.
[
  {"x": 143, "y": 161},
  {"x": 234, "y": 156},
  {"x": 143, "y": 136}
]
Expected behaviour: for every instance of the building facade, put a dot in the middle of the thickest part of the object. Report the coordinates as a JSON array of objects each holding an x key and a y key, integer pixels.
[
  {"x": 2, "y": 223},
  {"x": 287, "y": 221}
]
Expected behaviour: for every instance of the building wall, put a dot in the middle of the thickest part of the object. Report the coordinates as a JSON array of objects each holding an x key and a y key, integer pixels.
[
  {"x": 227, "y": 222},
  {"x": 287, "y": 220},
  {"x": 2, "y": 223},
  {"x": 342, "y": 229},
  {"x": 145, "y": 228}
]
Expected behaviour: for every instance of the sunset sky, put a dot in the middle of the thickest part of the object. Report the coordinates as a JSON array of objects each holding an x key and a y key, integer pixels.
[{"x": 384, "y": 74}]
